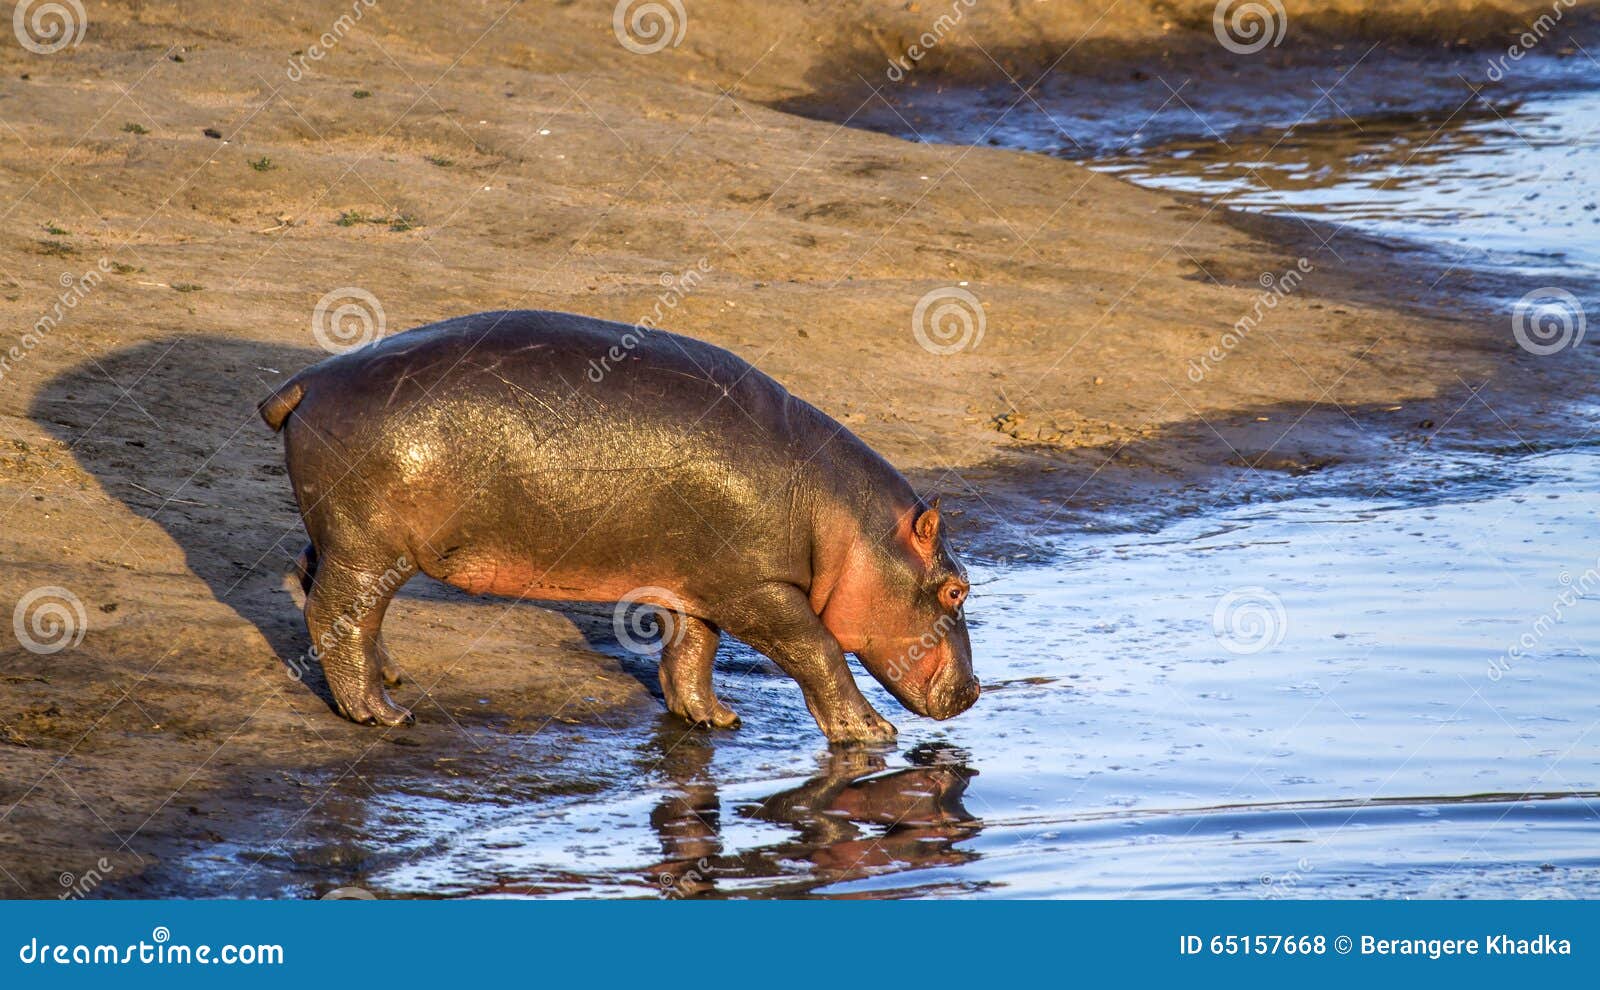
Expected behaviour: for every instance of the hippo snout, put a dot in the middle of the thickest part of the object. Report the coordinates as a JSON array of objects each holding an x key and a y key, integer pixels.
[{"x": 955, "y": 700}]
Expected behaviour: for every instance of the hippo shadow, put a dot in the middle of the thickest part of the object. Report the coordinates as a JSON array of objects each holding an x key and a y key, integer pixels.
[{"x": 169, "y": 428}]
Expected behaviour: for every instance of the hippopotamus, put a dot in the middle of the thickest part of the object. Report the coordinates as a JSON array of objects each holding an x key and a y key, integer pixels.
[{"x": 556, "y": 457}]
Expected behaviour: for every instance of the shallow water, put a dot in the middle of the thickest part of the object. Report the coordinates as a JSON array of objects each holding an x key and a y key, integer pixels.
[
  {"x": 1316, "y": 697},
  {"x": 1510, "y": 187},
  {"x": 1503, "y": 179},
  {"x": 1311, "y": 698}
]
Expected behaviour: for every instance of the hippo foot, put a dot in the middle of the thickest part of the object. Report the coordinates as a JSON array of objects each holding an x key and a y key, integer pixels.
[
  {"x": 377, "y": 710},
  {"x": 860, "y": 728},
  {"x": 710, "y": 715}
]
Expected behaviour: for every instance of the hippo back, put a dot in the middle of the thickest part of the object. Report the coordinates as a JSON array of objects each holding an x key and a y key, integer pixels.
[{"x": 588, "y": 449}]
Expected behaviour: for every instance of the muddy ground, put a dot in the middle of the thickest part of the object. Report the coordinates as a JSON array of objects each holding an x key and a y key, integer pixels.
[{"x": 446, "y": 158}]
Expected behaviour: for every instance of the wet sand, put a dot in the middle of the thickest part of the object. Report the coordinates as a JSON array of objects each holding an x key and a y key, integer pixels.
[{"x": 447, "y": 164}]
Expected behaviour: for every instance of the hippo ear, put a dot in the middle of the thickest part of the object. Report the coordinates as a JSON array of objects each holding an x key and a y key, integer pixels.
[{"x": 926, "y": 528}]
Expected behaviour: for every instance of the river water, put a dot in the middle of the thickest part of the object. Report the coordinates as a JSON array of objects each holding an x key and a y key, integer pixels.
[{"x": 1382, "y": 687}]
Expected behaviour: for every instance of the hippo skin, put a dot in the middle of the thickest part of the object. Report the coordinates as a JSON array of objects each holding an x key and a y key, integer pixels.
[{"x": 556, "y": 457}]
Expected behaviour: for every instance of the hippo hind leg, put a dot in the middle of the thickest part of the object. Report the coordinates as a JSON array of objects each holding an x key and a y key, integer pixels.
[
  {"x": 344, "y": 612},
  {"x": 305, "y": 568},
  {"x": 686, "y": 662}
]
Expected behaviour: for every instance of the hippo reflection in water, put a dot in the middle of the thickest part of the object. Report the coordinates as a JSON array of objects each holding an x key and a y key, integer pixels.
[
  {"x": 481, "y": 452},
  {"x": 854, "y": 819}
]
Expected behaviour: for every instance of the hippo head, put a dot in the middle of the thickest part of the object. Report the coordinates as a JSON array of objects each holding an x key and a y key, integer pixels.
[{"x": 900, "y": 611}]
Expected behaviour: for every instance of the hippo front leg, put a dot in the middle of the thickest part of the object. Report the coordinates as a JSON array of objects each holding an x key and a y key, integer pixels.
[
  {"x": 778, "y": 622},
  {"x": 686, "y": 662}
]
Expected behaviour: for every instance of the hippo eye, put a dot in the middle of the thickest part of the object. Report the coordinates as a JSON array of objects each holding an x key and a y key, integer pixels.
[{"x": 952, "y": 594}]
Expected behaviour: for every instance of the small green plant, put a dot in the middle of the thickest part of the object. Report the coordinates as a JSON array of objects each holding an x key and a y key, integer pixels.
[
  {"x": 122, "y": 269},
  {"x": 55, "y": 231},
  {"x": 263, "y": 164},
  {"x": 440, "y": 161},
  {"x": 398, "y": 222},
  {"x": 361, "y": 94},
  {"x": 55, "y": 249},
  {"x": 186, "y": 287},
  {"x": 131, "y": 128}
]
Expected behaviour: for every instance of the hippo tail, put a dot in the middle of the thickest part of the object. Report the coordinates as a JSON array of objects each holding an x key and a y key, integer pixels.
[{"x": 275, "y": 408}]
